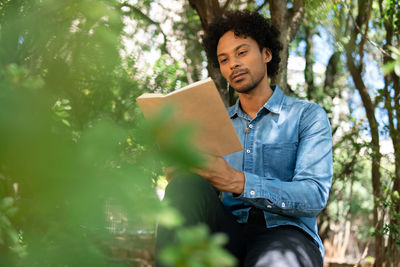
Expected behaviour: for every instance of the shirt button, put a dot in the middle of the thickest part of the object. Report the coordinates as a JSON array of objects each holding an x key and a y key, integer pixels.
[
  {"x": 252, "y": 192},
  {"x": 251, "y": 126},
  {"x": 269, "y": 206},
  {"x": 283, "y": 204},
  {"x": 248, "y": 151}
]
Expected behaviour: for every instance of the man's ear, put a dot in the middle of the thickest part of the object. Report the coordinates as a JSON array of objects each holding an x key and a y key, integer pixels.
[{"x": 267, "y": 55}]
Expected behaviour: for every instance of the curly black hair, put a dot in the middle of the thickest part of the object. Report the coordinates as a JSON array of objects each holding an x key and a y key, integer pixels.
[{"x": 248, "y": 24}]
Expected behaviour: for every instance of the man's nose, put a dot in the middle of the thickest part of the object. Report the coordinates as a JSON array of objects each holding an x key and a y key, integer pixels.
[{"x": 235, "y": 63}]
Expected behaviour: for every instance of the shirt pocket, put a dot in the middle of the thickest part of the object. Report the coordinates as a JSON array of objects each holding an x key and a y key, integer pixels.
[{"x": 279, "y": 160}]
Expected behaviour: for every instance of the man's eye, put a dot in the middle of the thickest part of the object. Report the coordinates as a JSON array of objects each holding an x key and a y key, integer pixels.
[
  {"x": 242, "y": 52},
  {"x": 221, "y": 61}
]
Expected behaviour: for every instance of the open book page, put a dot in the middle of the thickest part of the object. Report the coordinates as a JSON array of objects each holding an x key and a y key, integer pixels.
[{"x": 199, "y": 104}]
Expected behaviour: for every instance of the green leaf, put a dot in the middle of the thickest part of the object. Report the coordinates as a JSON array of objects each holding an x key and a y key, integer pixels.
[
  {"x": 6, "y": 203},
  {"x": 169, "y": 217},
  {"x": 66, "y": 122}
]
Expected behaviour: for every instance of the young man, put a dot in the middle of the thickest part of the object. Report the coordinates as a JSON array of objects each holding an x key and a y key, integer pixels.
[{"x": 273, "y": 190}]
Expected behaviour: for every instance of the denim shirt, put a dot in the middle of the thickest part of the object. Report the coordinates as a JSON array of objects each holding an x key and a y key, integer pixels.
[{"x": 287, "y": 163}]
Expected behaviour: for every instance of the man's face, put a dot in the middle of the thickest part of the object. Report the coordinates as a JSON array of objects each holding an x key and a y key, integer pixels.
[{"x": 241, "y": 62}]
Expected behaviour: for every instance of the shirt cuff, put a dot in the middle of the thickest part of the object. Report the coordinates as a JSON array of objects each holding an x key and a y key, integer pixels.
[{"x": 252, "y": 187}]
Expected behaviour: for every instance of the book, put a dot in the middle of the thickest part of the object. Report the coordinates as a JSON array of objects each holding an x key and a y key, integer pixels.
[{"x": 198, "y": 103}]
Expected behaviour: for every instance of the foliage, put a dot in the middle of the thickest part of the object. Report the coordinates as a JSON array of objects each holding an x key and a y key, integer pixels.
[
  {"x": 350, "y": 194},
  {"x": 172, "y": 69},
  {"x": 9, "y": 235},
  {"x": 374, "y": 24},
  {"x": 73, "y": 142},
  {"x": 395, "y": 64},
  {"x": 195, "y": 249},
  {"x": 350, "y": 199},
  {"x": 189, "y": 30},
  {"x": 168, "y": 76},
  {"x": 75, "y": 180}
]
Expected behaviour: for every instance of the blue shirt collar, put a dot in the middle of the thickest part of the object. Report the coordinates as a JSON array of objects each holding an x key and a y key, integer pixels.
[{"x": 274, "y": 103}]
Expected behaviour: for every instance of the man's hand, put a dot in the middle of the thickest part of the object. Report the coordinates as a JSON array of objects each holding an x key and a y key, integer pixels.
[{"x": 221, "y": 175}]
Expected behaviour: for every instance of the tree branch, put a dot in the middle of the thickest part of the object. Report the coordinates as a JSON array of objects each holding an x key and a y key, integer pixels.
[
  {"x": 207, "y": 10},
  {"x": 294, "y": 18},
  {"x": 261, "y": 6},
  {"x": 364, "y": 34},
  {"x": 227, "y": 3},
  {"x": 147, "y": 19},
  {"x": 364, "y": 21}
]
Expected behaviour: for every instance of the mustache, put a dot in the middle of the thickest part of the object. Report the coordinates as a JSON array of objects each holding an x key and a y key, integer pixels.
[{"x": 236, "y": 71}]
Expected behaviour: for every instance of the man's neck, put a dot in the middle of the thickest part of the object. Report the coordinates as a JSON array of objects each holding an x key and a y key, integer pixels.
[{"x": 252, "y": 102}]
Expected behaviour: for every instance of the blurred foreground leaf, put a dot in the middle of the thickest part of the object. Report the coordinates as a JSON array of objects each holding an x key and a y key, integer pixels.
[
  {"x": 78, "y": 167},
  {"x": 196, "y": 248}
]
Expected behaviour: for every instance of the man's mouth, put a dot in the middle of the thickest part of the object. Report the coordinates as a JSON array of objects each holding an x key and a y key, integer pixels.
[{"x": 236, "y": 77}]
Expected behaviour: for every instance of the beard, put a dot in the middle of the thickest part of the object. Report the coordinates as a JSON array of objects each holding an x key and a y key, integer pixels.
[{"x": 248, "y": 86}]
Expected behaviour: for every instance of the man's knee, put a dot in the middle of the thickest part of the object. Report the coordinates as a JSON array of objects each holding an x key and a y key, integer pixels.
[
  {"x": 282, "y": 246},
  {"x": 281, "y": 258}
]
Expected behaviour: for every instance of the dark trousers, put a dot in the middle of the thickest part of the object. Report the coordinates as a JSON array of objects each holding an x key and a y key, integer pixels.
[{"x": 251, "y": 243}]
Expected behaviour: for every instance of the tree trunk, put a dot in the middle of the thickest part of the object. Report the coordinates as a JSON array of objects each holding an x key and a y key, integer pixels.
[
  {"x": 376, "y": 155},
  {"x": 207, "y": 11},
  {"x": 356, "y": 74},
  {"x": 392, "y": 106},
  {"x": 309, "y": 57},
  {"x": 287, "y": 21},
  {"x": 330, "y": 73}
]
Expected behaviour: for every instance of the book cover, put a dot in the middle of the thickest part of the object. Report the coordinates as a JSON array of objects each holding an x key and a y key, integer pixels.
[{"x": 198, "y": 103}]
